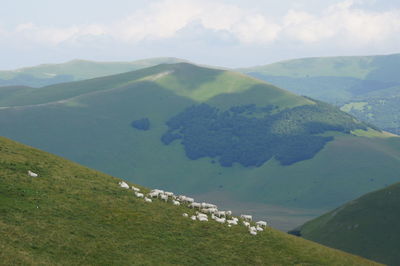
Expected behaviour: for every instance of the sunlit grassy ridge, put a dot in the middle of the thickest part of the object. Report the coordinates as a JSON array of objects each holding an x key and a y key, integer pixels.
[
  {"x": 72, "y": 215},
  {"x": 365, "y": 86},
  {"x": 368, "y": 226}
]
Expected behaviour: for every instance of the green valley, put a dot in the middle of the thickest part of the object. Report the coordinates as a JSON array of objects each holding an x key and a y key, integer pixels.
[{"x": 329, "y": 160}]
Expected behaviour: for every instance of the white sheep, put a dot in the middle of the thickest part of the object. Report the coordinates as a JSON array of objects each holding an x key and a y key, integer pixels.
[
  {"x": 231, "y": 222},
  {"x": 188, "y": 200},
  {"x": 123, "y": 184},
  {"x": 220, "y": 220},
  {"x": 193, "y": 218},
  {"x": 139, "y": 195},
  {"x": 135, "y": 189},
  {"x": 147, "y": 199},
  {"x": 185, "y": 214},
  {"x": 202, "y": 219},
  {"x": 176, "y": 203},
  {"x": 262, "y": 223},
  {"x": 229, "y": 213},
  {"x": 220, "y": 213},
  {"x": 164, "y": 197},
  {"x": 253, "y": 232},
  {"x": 259, "y": 228},
  {"x": 246, "y": 217},
  {"x": 195, "y": 205},
  {"x": 32, "y": 174},
  {"x": 153, "y": 194},
  {"x": 246, "y": 223},
  {"x": 169, "y": 194}
]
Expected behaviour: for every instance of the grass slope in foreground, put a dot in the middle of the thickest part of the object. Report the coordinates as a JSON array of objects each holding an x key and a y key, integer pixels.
[
  {"x": 71, "y": 215},
  {"x": 368, "y": 226}
]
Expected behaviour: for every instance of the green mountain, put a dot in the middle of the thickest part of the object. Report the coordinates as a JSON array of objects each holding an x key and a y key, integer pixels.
[
  {"x": 209, "y": 133},
  {"x": 365, "y": 86},
  {"x": 72, "y": 215},
  {"x": 367, "y": 226},
  {"x": 48, "y": 74}
]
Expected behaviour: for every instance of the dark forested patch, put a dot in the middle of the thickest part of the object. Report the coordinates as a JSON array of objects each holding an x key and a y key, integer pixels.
[
  {"x": 251, "y": 135},
  {"x": 141, "y": 124}
]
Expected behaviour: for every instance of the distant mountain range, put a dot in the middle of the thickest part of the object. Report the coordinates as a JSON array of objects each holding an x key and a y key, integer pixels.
[
  {"x": 368, "y": 226},
  {"x": 367, "y": 87},
  {"x": 207, "y": 132},
  {"x": 48, "y": 74}
]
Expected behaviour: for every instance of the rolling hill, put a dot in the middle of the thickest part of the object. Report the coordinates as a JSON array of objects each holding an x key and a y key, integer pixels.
[
  {"x": 48, "y": 74},
  {"x": 72, "y": 215},
  {"x": 210, "y": 133},
  {"x": 365, "y": 86},
  {"x": 367, "y": 226}
]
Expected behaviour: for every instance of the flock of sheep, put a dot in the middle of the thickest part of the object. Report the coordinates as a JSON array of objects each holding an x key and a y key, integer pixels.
[{"x": 203, "y": 209}]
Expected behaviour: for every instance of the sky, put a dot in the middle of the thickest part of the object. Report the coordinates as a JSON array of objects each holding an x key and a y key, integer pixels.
[{"x": 235, "y": 33}]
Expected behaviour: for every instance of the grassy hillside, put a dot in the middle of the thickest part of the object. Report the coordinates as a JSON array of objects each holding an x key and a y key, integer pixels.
[
  {"x": 326, "y": 166},
  {"x": 72, "y": 215},
  {"x": 343, "y": 81},
  {"x": 367, "y": 226},
  {"x": 47, "y": 74}
]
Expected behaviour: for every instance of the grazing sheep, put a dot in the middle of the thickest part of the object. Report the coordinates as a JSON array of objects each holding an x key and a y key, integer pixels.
[
  {"x": 193, "y": 218},
  {"x": 262, "y": 223},
  {"x": 153, "y": 194},
  {"x": 32, "y": 174},
  {"x": 246, "y": 217},
  {"x": 176, "y": 203},
  {"x": 210, "y": 210},
  {"x": 259, "y": 228},
  {"x": 246, "y": 223},
  {"x": 253, "y": 232},
  {"x": 208, "y": 205},
  {"x": 147, "y": 200},
  {"x": 220, "y": 220},
  {"x": 164, "y": 197},
  {"x": 188, "y": 200},
  {"x": 202, "y": 219},
  {"x": 229, "y": 213},
  {"x": 123, "y": 184},
  {"x": 135, "y": 189},
  {"x": 185, "y": 215},
  {"x": 233, "y": 222},
  {"x": 169, "y": 194},
  {"x": 220, "y": 213},
  {"x": 195, "y": 205},
  {"x": 139, "y": 195},
  {"x": 229, "y": 225}
]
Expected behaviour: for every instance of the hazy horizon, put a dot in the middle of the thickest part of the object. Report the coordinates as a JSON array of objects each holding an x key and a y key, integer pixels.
[{"x": 234, "y": 33}]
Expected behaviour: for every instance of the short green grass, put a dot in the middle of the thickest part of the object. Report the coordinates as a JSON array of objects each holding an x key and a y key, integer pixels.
[{"x": 72, "y": 215}]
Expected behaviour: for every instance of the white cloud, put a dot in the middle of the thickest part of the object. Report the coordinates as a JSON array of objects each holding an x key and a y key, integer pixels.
[{"x": 345, "y": 24}]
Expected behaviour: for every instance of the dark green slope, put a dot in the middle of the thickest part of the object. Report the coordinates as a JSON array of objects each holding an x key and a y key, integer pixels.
[
  {"x": 48, "y": 74},
  {"x": 72, "y": 215},
  {"x": 308, "y": 157},
  {"x": 368, "y": 226},
  {"x": 365, "y": 86}
]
